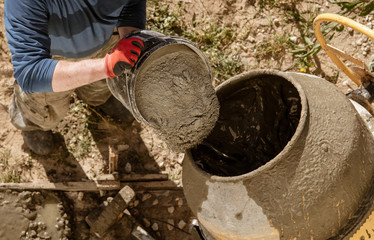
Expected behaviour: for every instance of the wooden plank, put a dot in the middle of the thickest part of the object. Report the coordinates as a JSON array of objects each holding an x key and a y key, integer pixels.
[
  {"x": 91, "y": 186},
  {"x": 88, "y": 186},
  {"x": 154, "y": 185},
  {"x": 113, "y": 159},
  {"x": 100, "y": 223},
  {"x": 134, "y": 177}
]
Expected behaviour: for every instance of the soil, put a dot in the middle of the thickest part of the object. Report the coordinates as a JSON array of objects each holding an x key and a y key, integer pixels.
[
  {"x": 174, "y": 94},
  {"x": 84, "y": 135}
]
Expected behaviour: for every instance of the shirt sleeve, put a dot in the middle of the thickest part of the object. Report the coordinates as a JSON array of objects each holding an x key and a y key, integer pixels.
[
  {"x": 133, "y": 14},
  {"x": 26, "y": 23}
]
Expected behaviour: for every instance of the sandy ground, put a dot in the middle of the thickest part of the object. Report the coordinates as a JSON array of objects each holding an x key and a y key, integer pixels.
[{"x": 85, "y": 134}]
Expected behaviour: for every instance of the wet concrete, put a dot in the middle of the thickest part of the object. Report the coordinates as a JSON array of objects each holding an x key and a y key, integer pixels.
[
  {"x": 33, "y": 215},
  {"x": 174, "y": 94}
]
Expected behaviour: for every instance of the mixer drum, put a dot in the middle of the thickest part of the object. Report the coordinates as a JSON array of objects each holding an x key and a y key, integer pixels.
[{"x": 300, "y": 160}]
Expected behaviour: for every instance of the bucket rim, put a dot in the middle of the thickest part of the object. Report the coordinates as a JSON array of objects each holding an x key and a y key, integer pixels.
[{"x": 296, "y": 136}]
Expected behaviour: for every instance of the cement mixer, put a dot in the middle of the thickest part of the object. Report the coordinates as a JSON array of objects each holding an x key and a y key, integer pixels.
[{"x": 297, "y": 158}]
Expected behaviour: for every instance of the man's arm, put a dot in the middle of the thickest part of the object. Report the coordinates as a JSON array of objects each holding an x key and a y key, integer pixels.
[{"x": 71, "y": 75}]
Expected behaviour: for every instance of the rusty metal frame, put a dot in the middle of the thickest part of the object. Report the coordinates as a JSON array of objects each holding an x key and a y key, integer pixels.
[{"x": 333, "y": 52}]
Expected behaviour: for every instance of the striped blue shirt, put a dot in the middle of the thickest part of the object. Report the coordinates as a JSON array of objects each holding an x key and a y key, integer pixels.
[{"x": 38, "y": 29}]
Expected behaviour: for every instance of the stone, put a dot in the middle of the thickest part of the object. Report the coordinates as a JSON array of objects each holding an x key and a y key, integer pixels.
[
  {"x": 155, "y": 202},
  {"x": 171, "y": 209},
  {"x": 276, "y": 22},
  {"x": 147, "y": 223},
  {"x": 146, "y": 196},
  {"x": 293, "y": 39},
  {"x": 128, "y": 168},
  {"x": 181, "y": 224},
  {"x": 122, "y": 147},
  {"x": 154, "y": 226},
  {"x": 170, "y": 225}
]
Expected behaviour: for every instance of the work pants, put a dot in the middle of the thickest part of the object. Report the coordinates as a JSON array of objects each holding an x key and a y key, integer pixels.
[{"x": 43, "y": 111}]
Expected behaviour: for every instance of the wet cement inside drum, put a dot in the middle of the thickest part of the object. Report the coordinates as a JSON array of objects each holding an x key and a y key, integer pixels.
[{"x": 258, "y": 117}]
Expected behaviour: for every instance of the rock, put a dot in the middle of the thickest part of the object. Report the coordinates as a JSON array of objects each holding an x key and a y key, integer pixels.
[
  {"x": 179, "y": 202},
  {"x": 128, "y": 167},
  {"x": 136, "y": 203},
  {"x": 38, "y": 198},
  {"x": 350, "y": 30},
  {"x": 32, "y": 233},
  {"x": 170, "y": 224},
  {"x": 181, "y": 224},
  {"x": 24, "y": 195},
  {"x": 276, "y": 22},
  {"x": 60, "y": 206},
  {"x": 122, "y": 147},
  {"x": 155, "y": 202},
  {"x": 180, "y": 159},
  {"x": 31, "y": 215},
  {"x": 155, "y": 227},
  {"x": 293, "y": 39},
  {"x": 61, "y": 223},
  {"x": 80, "y": 196},
  {"x": 33, "y": 225},
  {"x": 147, "y": 223},
  {"x": 359, "y": 42},
  {"x": 146, "y": 196},
  {"x": 251, "y": 39},
  {"x": 171, "y": 209}
]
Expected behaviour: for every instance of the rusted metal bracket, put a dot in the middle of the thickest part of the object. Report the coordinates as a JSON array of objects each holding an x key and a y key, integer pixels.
[{"x": 364, "y": 95}]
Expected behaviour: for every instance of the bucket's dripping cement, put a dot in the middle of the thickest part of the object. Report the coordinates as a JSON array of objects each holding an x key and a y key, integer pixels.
[
  {"x": 174, "y": 94},
  {"x": 256, "y": 122}
]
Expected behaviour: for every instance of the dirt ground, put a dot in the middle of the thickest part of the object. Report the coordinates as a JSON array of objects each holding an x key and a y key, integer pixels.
[{"x": 84, "y": 136}]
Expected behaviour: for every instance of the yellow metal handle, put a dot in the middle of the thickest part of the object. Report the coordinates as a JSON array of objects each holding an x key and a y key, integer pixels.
[{"x": 333, "y": 52}]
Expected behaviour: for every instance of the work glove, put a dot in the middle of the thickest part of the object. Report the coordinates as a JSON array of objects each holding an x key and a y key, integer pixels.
[{"x": 123, "y": 56}]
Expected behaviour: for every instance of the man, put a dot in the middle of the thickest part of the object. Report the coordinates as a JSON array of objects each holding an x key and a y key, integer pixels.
[{"x": 38, "y": 29}]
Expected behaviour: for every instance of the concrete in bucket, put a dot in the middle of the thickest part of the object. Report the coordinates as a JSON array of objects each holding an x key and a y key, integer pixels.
[
  {"x": 170, "y": 89},
  {"x": 312, "y": 186}
]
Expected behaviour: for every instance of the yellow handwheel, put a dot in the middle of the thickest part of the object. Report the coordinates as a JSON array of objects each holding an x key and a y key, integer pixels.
[{"x": 333, "y": 52}]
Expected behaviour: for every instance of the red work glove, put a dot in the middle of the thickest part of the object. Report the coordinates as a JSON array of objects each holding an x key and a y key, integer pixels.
[{"x": 123, "y": 55}]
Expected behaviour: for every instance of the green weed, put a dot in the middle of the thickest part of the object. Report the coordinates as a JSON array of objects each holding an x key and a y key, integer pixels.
[
  {"x": 11, "y": 177},
  {"x": 357, "y": 8},
  {"x": 5, "y": 155},
  {"x": 210, "y": 35},
  {"x": 273, "y": 47}
]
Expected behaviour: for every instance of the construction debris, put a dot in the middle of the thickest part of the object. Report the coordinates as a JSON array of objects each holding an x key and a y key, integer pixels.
[{"x": 100, "y": 221}]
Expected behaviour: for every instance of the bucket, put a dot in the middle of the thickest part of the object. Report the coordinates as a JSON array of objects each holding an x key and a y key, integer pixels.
[
  {"x": 308, "y": 161},
  {"x": 170, "y": 89},
  {"x": 123, "y": 87}
]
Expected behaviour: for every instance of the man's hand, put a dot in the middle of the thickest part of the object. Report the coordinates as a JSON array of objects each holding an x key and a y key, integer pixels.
[{"x": 123, "y": 55}]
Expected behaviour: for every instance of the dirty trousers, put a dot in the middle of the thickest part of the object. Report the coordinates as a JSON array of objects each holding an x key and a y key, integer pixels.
[{"x": 43, "y": 111}]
